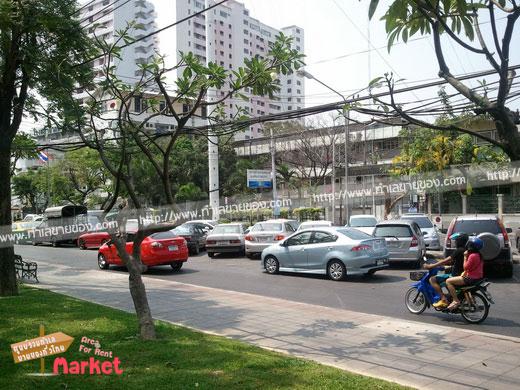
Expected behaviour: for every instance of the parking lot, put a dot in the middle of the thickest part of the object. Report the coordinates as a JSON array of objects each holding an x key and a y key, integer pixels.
[{"x": 381, "y": 294}]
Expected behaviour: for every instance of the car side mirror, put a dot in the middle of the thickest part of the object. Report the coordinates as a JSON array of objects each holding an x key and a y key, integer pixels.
[
  {"x": 424, "y": 233},
  {"x": 246, "y": 231},
  {"x": 509, "y": 230},
  {"x": 284, "y": 243},
  {"x": 443, "y": 231}
]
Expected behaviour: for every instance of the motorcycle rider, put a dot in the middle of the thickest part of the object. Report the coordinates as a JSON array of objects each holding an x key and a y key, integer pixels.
[
  {"x": 456, "y": 260},
  {"x": 473, "y": 270}
]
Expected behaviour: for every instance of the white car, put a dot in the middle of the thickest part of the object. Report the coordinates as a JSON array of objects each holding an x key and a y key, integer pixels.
[
  {"x": 314, "y": 224},
  {"x": 428, "y": 229},
  {"x": 365, "y": 223}
]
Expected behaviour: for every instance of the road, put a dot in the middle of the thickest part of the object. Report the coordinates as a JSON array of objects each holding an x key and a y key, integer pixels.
[{"x": 381, "y": 294}]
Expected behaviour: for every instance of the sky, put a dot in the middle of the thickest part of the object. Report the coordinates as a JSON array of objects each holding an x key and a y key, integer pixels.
[
  {"x": 338, "y": 36},
  {"x": 345, "y": 50}
]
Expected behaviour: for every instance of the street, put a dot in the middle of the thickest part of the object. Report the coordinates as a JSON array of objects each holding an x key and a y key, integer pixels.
[{"x": 382, "y": 294}]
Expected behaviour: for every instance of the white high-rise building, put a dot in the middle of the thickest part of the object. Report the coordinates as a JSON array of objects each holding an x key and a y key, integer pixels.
[
  {"x": 238, "y": 36},
  {"x": 103, "y": 18}
]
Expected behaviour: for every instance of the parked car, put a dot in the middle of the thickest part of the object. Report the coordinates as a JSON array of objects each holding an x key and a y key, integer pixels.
[
  {"x": 428, "y": 229},
  {"x": 336, "y": 252},
  {"x": 497, "y": 248},
  {"x": 194, "y": 234},
  {"x": 263, "y": 234},
  {"x": 314, "y": 224},
  {"x": 404, "y": 240},
  {"x": 33, "y": 218},
  {"x": 96, "y": 238},
  {"x": 226, "y": 238},
  {"x": 365, "y": 223},
  {"x": 58, "y": 226},
  {"x": 157, "y": 249},
  {"x": 208, "y": 223}
]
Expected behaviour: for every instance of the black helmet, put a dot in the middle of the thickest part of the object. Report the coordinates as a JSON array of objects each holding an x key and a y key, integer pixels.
[
  {"x": 460, "y": 239},
  {"x": 474, "y": 244}
]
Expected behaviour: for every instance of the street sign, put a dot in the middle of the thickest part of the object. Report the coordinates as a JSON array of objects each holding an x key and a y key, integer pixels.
[
  {"x": 40, "y": 347},
  {"x": 259, "y": 178}
]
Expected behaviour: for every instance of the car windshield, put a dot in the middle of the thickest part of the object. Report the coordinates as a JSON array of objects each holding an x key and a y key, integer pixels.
[
  {"x": 181, "y": 230},
  {"x": 226, "y": 229},
  {"x": 392, "y": 231},
  {"x": 163, "y": 235},
  {"x": 477, "y": 226},
  {"x": 354, "y": 234},
  {"x": 423, "y": 222},
  {"x": 363, "y": 222},
  {"x": 267, "y": 227}
]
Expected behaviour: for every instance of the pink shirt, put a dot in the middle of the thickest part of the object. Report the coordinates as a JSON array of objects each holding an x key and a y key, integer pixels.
[{"x": 474, "y": 266}]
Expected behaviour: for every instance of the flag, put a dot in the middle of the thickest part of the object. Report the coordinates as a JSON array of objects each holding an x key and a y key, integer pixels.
[{"x": 43, "y": 156}]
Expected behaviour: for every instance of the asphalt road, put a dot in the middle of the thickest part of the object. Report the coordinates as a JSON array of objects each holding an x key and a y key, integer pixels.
[{"x": 381, "y": 294}]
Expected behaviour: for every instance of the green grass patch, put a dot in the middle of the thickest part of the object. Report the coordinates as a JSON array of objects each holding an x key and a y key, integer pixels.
[{"x": 179, "y": 359}]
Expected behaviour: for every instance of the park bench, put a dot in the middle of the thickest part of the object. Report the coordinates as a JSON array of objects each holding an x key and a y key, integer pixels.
[{"x": 25, "y": 269}]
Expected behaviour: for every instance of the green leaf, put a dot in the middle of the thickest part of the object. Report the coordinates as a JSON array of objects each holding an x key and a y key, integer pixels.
[
  {"x": 372, "y": 8},
  {"x": 374, "y": 82}
]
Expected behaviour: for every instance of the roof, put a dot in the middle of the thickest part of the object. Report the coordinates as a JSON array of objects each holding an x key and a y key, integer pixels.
[
  {"x": 396, "y": 222},
  {"x": 475, "y": 217}
]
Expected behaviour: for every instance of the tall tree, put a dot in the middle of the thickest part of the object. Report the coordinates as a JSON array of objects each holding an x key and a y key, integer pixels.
[
  {"x": 40, "y": 44},
  {"x": 460, "y": 22},
  {"x": 187, "y": 99}
]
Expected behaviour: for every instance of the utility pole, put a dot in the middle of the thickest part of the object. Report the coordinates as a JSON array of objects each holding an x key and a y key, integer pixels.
[
  {"x": 212, "y": 138},
  {"x": 333, "y": 214},
  {"x": 347, "y": 147},
  {"x": 276, "y": 208}
]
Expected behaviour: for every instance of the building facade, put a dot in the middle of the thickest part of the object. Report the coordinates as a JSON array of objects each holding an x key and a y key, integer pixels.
[
  {"x": 238, "y": 36},
  {"x": 103, "y": 18}
]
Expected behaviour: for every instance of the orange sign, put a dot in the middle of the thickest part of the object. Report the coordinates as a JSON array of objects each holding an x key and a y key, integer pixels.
[{"x": 41, "y": 347}]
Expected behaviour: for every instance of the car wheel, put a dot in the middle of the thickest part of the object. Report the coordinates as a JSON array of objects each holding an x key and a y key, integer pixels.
[
  {"x": 419, "y": 263},
  {"x": 271, "y": 265},
  {"x": 35, "y": 243},
  {"x": 250, "y": 256},
  {"x": 81, "y": 244},
  {"x": 336, "y": 270},
  {"x": 55, "y": 243},
  {"x": 176, "y": 265},
  {"x": 102, "y": 262},
  {"x": 211, "y": 254}
]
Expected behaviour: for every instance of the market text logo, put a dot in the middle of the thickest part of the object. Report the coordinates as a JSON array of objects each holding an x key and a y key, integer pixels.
[
  {"x": 91, "y": 366},
  {"x": 41, "y": 347}
]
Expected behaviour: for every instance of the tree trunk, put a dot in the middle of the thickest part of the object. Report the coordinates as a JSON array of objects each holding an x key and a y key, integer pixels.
[
  {"x": 142, "y": 308},
  {"x": 8, "y": 284},
  {"x": 137, "y": 288}
]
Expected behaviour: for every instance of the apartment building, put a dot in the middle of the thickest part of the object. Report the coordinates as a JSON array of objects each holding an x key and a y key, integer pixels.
[
  {"x": 103, "y": 18},
  {"x": 237, "y": 35}
]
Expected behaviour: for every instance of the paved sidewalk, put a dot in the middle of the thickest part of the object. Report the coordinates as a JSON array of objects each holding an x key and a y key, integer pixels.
[{"x": 406, "y": 352}]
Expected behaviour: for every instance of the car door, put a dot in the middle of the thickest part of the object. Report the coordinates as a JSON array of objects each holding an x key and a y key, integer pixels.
[
  {"x": 321, "y": 243},
  {"x": 295, "y": 251}
]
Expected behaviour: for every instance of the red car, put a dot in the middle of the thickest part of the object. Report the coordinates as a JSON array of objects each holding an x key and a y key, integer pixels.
[
  {"x": 158, "y": 249},
  {"x": 93, "y": 239}
]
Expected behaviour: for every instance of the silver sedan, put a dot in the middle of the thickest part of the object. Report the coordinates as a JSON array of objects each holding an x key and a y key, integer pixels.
[
  {"x": 226, "y": 238},
  {"x": 336, "y": 252}
]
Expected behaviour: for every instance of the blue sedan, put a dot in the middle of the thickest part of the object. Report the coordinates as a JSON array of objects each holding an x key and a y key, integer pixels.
[{"x": 336, "y": 252}]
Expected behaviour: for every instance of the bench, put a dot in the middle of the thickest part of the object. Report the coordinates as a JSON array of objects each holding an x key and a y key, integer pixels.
[{"x": 25, "y": 269}]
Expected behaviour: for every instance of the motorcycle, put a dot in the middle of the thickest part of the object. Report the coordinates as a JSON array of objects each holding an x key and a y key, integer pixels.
[{"x": 475, "y": 299}]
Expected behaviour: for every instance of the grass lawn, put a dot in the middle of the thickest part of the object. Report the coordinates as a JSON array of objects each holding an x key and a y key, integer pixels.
[{"x": 180, "y": 358}]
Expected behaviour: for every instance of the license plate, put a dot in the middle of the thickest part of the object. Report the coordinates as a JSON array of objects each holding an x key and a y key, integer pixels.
[
  {"x": 222, "y": 242},
  {"x": 380, "y": 262},
  {"x": 263, "y": 239},
  {"x": 172, "y": 248}
]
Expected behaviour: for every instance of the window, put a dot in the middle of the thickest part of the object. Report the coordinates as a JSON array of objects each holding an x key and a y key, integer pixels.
[
  {"x": 298, "y": 82},
  {"x": 137, "y": 104},
  {"x": 246, "y": 32},
  {"x": 289, "y": 90},
  {"x": 289, "y": 228},
  {"x": 297, "y": 39},
  {"x": 300, "y": 239},
  {"x": 322, "y": 237},
  {"x": 298, "y": 100},
  {"x": 246, "y": 22},
  {"x": 246, "y": 51},
  {"x": 298, "y": 48},
  {"x": 297, "y": 30},
  {"x": 289, "y": 81},
  {"x": 392, "y": 231},
  {"x": 289, "y": 108},
  {"x": 298, "y": 92},
  {"x": 289, "y": 99}
]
